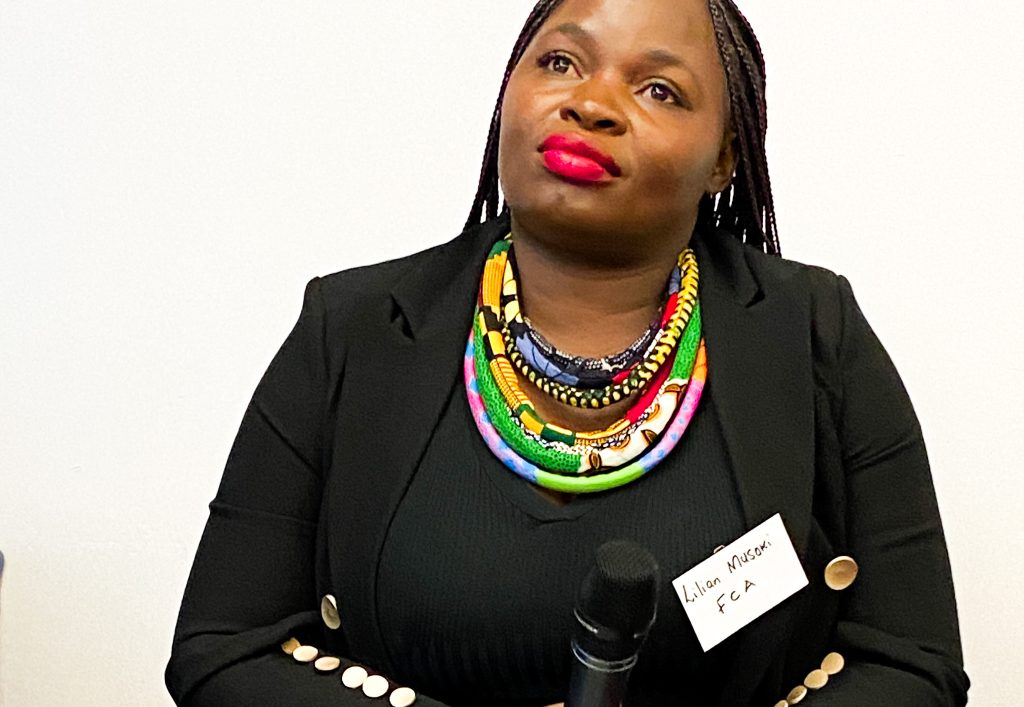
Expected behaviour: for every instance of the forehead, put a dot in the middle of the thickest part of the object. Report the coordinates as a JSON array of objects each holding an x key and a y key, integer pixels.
[{"x": 635, "y": 26}]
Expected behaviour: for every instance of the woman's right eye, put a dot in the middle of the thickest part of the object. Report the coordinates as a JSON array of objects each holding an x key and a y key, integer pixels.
[{"x": 557, "y": 62}]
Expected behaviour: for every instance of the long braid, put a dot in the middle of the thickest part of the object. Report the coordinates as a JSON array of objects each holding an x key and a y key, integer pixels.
[
  {"x": 747, "y": 132},
  {"x": 757, "y": 174},
  {"x": 750, "y": 208},
  {"x": 486, "y": 201},
  {"x": 725, "y": 211},
  {"x": 746, "y": 208},
  {"x": 750, "y": 40}
]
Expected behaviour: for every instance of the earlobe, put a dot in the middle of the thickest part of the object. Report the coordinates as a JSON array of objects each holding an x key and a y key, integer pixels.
[{"x": 721, "y": 177}]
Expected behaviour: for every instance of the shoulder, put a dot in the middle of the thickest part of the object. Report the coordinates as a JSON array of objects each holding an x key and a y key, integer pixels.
[
  {"x": 824, "y": 296},
  {"x": 786, "y": 282},
  {"x": 351, "y": 296},
  {"x": 366, "y": 303},
  {"x": 773, "y": 271},
  {"x": 358, "y": 287}
]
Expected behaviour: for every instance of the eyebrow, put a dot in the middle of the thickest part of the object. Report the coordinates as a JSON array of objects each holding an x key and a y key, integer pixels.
[
  {"x": 654, "y": 57},
  {"x": 663, "y": 57},
  {"x": 575, "y": 31}
]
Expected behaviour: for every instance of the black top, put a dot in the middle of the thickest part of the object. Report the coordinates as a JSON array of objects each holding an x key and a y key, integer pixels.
[
  {"x": 479, "y": 572},
  {"x": 315, "y": 500}
]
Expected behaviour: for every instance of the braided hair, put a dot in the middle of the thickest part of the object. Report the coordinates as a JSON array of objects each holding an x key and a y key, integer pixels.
[{"x": 746, "y": 208}]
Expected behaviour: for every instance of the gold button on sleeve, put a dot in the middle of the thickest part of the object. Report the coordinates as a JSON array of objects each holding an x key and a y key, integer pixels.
[
  {"x": 327, "y": 664},
  {"x": 840, "y": 573},
  {"x": 833, "y": 663},
  {"x": 781, "y": 703},
  {"x": 402, "y": 697},
  {"x": 376, "y": 686},
  {"x": 354, "y": 677},
  {"x": 329, "y": 612},
  {"x": 290, "y": 645},
  {"x": 816, "y": 679},
  {"x": 796, "y": 695},
  {"x": 305, "y": 654}
]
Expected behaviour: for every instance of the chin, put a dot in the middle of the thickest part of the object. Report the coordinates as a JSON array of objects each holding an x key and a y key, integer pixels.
[
  {"x": 567, "y": 222},
  {"x": 557, "y": 199}
]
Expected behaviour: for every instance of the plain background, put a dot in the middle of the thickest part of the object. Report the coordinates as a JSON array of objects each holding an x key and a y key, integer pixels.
[{"x": 172, "y": 173}]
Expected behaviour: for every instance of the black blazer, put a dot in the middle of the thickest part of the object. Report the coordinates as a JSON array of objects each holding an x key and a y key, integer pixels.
[{"x": 817, "y": 423}]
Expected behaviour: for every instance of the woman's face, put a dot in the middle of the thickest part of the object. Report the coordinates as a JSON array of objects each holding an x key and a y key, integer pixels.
[{"x": 615, "y": 123}]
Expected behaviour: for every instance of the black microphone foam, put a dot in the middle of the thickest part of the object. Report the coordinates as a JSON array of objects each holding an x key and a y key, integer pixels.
[{"x": 617, "y": 601}]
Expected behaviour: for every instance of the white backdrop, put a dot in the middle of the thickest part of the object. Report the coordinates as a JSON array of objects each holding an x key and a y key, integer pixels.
[{"x": 172, "y": 173}]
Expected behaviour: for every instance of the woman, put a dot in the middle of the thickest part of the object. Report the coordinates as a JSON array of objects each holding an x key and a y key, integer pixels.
[{"x": 425, "y": 470}]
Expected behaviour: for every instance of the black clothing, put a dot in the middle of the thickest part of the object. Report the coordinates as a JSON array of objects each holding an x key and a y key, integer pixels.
[
  {"x": 815, "y": 423},
  {"x": 473, "y": 549}
]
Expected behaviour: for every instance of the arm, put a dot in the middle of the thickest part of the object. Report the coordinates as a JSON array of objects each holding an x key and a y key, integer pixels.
[
  {"x": 898, "y": 622},
  {"x": 252, "y": 584}
]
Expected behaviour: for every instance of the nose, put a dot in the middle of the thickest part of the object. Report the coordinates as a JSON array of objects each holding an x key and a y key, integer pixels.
[{"x": 593, "y": 106}]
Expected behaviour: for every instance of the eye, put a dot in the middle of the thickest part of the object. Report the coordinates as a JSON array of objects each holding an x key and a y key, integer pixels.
[
  {"x": 663, "y": 93},
  {"x": 556, "y": 61}
]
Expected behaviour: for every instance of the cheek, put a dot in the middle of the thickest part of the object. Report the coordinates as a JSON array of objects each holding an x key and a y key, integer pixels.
[
  {"x": 682, "y": 164},
  {"x": 515, "y": 140},
  {"x": 529, "y": 104}
]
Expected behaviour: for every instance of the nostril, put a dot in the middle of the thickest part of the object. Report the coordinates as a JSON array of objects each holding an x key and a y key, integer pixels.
[{"x": 571, "y": 114}]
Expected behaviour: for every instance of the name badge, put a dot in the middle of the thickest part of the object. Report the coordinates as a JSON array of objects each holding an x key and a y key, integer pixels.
[{"x": 740, "y": 582}]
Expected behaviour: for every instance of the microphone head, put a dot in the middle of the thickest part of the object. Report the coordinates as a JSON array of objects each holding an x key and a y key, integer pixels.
[{"x": 618, "y": 599}]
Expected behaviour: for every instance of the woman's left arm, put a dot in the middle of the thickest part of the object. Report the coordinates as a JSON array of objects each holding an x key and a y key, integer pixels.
[{"x": 897, "y": 626}]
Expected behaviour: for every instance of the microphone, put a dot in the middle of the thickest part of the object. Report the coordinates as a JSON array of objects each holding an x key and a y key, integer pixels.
[{"x": 615, "y": 608}]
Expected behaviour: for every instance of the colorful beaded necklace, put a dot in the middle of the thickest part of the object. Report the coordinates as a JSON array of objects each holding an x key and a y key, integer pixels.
[
  {"x": 527, "y": 344},
  {"x": 504, "y": 303},
  {"x": 581, "y": 462}
]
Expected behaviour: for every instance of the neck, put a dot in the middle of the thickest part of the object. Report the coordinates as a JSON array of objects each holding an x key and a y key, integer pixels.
[{"x": 587, "y": 303}]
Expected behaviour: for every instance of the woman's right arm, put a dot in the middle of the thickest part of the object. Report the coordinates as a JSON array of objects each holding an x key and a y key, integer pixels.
[{"x": 252, "y": 584}]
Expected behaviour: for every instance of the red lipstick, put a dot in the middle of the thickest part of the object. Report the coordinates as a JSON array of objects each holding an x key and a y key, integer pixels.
[{"x": 572, "y": 157}]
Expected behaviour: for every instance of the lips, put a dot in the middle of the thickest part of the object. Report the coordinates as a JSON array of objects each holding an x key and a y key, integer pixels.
[{"x": 572, "y": 157}]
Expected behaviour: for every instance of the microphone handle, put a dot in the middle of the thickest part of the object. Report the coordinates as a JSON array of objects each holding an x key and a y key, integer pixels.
[{"x": 597, "y": 683}]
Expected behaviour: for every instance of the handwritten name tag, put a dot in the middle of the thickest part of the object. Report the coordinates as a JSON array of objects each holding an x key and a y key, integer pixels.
[{"x": 740, "y": 582}]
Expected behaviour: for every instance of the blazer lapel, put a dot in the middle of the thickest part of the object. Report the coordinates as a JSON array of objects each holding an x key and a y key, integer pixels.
[
  {"x": 759, "y": 372},
  {"x": 404, "y": 369}
]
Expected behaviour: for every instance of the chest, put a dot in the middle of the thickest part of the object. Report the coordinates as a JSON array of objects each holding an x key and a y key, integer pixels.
[
  {"x": 475, "y": 559},
  {"x": 763, "y": 387}
]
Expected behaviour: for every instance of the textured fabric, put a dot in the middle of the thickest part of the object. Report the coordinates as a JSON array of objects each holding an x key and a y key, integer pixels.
[
  {"x": 652, "y": 455},
  {"x": 541, "y": 451},
  {"x": 572, "y": 452},
  {"x": 540, "y": 355},
  {"x": 500, "y": 307},
  {"x": 472, "y": 632}
]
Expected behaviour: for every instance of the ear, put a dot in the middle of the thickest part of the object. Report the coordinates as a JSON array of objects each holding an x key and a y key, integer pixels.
[{"x": 725, "y": 167}]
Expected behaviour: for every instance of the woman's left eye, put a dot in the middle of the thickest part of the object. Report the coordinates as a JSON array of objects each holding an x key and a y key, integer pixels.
[{"x": 664, "y": 94}]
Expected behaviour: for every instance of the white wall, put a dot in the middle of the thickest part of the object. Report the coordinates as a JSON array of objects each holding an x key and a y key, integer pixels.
[{"x": 171, "y": 174}]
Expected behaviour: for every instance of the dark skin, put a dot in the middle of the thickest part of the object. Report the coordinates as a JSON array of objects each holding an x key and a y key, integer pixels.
[{"x": 642, "y": 81}]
